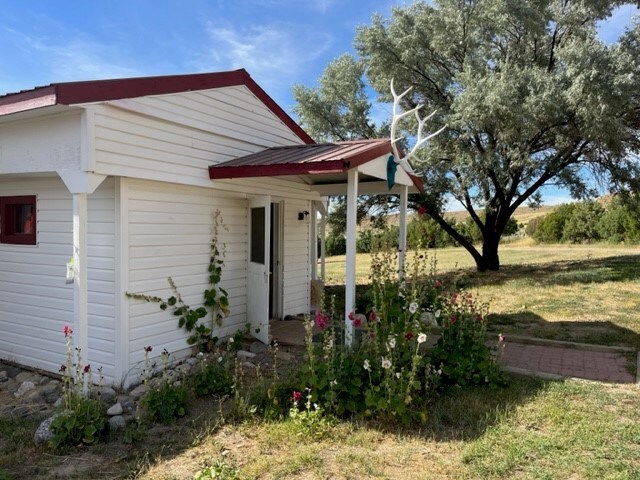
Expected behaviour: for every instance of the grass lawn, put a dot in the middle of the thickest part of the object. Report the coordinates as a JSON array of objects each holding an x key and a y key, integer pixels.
[
  {"x": 583, "y": 293},
  {"x": 529, "y": 430}
]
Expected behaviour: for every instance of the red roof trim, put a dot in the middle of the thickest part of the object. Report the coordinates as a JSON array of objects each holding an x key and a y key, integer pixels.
[
  {"x": 72, "y": 93},
  {"x": 309, "y": 168}
]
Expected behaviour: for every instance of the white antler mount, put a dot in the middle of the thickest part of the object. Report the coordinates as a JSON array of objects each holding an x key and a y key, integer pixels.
[{"x": 394, "y": 128}]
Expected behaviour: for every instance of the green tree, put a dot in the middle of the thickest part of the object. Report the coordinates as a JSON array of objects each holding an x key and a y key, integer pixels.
[{"x": 530, "y": 96}]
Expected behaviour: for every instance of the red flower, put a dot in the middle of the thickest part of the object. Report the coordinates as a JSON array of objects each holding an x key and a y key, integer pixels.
[
  {"x": 422, "y": 210},
  {"x": 438, "y": 284},
  {"x": 373, "y": 316},
  {"x": 409, "y": 336},
  {"x": 148, "y": 349},
  {"x": 297, "y": 396},
  {"x": 352, "y": 316},
  {"x": 63, "y": 368},
  {"x": 67, "y": 330},
  {"x": 356, "y": 321},
  {"x": 453, "y": 319},
  {"x": 87, "y": 368},
  {"x": 322, "y": 320}
]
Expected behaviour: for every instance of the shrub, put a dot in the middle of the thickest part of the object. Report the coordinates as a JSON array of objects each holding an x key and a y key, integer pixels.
[
  {"x": 461, "y": 354},
  {"x": 166, "y": 398},
  {"x": 212, "y": 378},
  {"x": 582, "y": 225},
  {"x": 335, "y": 244},
  {"x": 620, "y": 223},
  {"x": 550, "y": 229},
  {"x": 218, "y": 471},
  {"x": 80, "y": 419}
]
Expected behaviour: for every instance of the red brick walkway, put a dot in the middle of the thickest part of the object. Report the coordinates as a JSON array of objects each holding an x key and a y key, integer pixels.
[{"x": 604, "y": 366}]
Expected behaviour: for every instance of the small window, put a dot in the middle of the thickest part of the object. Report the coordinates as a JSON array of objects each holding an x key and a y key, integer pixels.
[{"x": 18, "y": 220}]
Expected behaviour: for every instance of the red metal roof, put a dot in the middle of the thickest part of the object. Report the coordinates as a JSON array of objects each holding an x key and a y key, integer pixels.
[
  {"x": 305, "y": 160},
  {"x": 71, "y": 93}
]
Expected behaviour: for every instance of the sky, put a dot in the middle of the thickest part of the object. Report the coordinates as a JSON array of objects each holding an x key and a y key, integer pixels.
[{"x": 279, "y": 42}]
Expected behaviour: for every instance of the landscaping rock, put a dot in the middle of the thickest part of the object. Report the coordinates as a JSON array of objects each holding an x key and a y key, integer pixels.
[
  {"x": 23, "y": 376},
  {"x": 284, "y": 356},
  {"x": 257, "y": 347},
  {"x": 138, "y": 392},
  {"x": 244, "y": 355},
  {"x": 43, "y": 433},
  {"x": 34, "y": 396},
  {"x": 248, "y": 366},
  {"x": 4, "y": 376},
  {"x": 191, "y": 361},
  {"x": 117, "y": 422},
  {"x": 115, "y": 410},
  {"x": 24, "y": 388},
  {"x": 106, "y": 394}
]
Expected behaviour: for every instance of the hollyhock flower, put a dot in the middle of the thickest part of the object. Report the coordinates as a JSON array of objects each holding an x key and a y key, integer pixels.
[
  {"x": 437, "y": 313},
  {"x": 386, "y": 363},
  {"x": 453, "y": 319},
  {"x": 148, "y": 348},
  {"x": 422, "y": 338},
  {"x": 409, "y": 336},
  {"x": 501, "y": 338},
  {"x": 366, "y": 365},
  {"x": 322, "y": 320},
  {"x": 87, "y": 368},
  {"x": 67, "y": 330},
  {"x": 413, "y": 308},
  {"x": 357, "y": 322},
  {"x": 63, "y": 368},
  {"x": 352, "y": 316},
  {"x": 391, "y": 344},
  {"x": 398, "y": 375},
  {"x": 438, "y": 284},
  {"x": 297, "y": 396},
  {"x": 422, "y": 210}
]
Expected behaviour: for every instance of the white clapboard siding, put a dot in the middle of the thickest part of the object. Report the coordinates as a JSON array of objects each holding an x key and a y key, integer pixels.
[
  {"x": 296, "y": 268},
  {"x": 41, "y": 145},
  {"x": 101, "y": 273},
  {"x": 35, "y": 301},
  {"x": 170, "y": 230},
  {"x": 176, "y": 137}
]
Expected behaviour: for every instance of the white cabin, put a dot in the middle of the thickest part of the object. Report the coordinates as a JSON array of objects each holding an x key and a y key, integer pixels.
[{"x": 123, "y": 176}]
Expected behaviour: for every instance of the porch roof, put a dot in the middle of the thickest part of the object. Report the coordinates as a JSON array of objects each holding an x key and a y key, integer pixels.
[{"x": 318, "y": 163}]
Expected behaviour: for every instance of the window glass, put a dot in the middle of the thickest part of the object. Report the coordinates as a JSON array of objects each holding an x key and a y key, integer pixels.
[
  {"x": 18, "y": 220},
  {"x": 257, "y": 235}
]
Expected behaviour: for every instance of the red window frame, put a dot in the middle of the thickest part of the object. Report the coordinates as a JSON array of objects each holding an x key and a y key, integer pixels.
[{"x": 8, "y": 232}]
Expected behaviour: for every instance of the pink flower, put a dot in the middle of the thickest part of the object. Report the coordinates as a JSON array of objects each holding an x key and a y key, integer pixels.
[
  {"x": 297, "y": 396},
  {"x": 356, "y": 321},
  {"x": 67, "y": 330},
  {"x": 409, "y": 336},
  {"x": 352, "y": 316},
  {"x": 422, "y": 210},
  {"x": 322, "y": 320},
  {"x": 501, "y": 338},
  {"x": 438, "y": 283},
  {"x": 87, "y": 368},
  {"x": 453, "y": 319},
  {"x": 373, "y": 316}
]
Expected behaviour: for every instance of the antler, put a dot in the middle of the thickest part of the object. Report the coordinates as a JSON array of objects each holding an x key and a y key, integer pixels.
[{"x": 421, "y": 123}]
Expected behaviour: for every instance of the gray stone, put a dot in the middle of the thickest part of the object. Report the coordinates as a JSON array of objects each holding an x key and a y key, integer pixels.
[
  {"x": 106, "y": 394},
  {"x": 138, "y": 392},
  {"x": 191, "y": 361},
  {"x": 24, "y": 388},
  {"x": 258, "y": 347},
  {"x": 115, "y": 409},
  {"x": 42, "y": 380},
  {"x": 34, "y": 396},
  {"x": 10, "y": 385},
  {"x": 58, "y": 402},
  {"x": 49, "y": 388},
  {"x": 284, "y": 356},
  {"x": 52, "y": 398},
  {"x": 43, "y": 433},
  {"x": 244, "y": 355},
  {"x": 248, "y": 365},
  {"x": 23, "y": 376},
  {"x": 117, "y": 422},
  {"x": 4, "y": 376}
]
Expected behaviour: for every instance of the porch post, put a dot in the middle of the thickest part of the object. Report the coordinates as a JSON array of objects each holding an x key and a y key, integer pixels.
[
  {"x": 323, "y": 249},
  {"x": 350, "y": 274},
  {"x": 314, "y": 241},
  {"x": 80, "y": 292},
  {"x": 402, "y": 240}
]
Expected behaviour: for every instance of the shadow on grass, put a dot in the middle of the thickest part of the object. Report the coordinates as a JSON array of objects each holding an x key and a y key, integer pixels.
[{"x": 621, "y": 268}]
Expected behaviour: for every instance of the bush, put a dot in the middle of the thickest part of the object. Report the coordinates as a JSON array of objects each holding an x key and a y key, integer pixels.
[
  {"x": 620, "y": 223},
  {"x": 582, "y": 225},
  {"x": 551, "y": 228},
  {"x": 212, "y": 378},
  {"x": 166, "y": 402},
  {"x": 424, "y": 232},
  {"x": 461, "y": 354},
  {"x": 84, "y": 422},
  {"x": 373, "y": 239},
  {"x": 335, "y": 244}
]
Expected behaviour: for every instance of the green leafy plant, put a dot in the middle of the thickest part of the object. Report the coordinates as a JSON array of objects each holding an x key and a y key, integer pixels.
[
  {"x": 166, "y": 398},
  {"x": 310, "y": 421},
  {"x": 461, "y": 353},
  {"x": 218, "y": 471},
  {"x": 215, "y": 299},
  {"x": 81, "y": 419},
  {"x": 212, "y": 377}
]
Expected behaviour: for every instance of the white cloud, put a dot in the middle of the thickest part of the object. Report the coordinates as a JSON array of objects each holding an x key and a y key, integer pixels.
[{"x": 274, "y": 55}]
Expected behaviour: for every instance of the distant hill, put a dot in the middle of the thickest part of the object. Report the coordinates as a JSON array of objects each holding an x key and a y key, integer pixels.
[{"x": 522, "y": 215}]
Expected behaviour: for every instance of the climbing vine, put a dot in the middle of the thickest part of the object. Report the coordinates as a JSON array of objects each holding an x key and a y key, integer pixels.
[{"x": 215, "y": 304}]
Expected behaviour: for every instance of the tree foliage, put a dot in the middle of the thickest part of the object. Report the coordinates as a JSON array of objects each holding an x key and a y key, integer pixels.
[{"x": 530, "y": 94}]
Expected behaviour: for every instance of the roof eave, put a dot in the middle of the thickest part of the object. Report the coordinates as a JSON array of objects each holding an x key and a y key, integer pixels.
[
  {"x": 247, "y": 171},
  {"x": 29, "y": 100}
]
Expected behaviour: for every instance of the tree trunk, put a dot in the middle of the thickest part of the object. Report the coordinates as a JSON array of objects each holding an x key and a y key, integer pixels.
[{"x": 490, "y": 259}]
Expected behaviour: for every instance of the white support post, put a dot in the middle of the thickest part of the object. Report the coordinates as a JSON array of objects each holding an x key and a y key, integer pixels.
[
  {"x": 80, "y": 292},
  {"x": 314, "y": 242},
  {"x": 323, "y": 249},
  {"x": 402, "y": 240},
  {"x": 350, "y": 274}
]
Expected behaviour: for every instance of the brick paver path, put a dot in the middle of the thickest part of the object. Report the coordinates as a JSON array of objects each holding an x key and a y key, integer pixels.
[{"x": 607, "y": 366}]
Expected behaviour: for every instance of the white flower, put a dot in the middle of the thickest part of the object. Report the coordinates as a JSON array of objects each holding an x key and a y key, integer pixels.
[
  {"x": 422, "y": 338},
  {"x": 392, "y": 342},
  {"x": 398, "y": 375},
  {"x": 386, "y": 363},
  {"x": 366, "y": 365},
  {"x": 437, "y": 314},
  {"x": 200, "y": 355},
  {"x": 219, "y": 359},
  {"x": 230, "y": 339},
  {"x": 333, "y": 382},
  {"x": 413, "y": 307}
]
